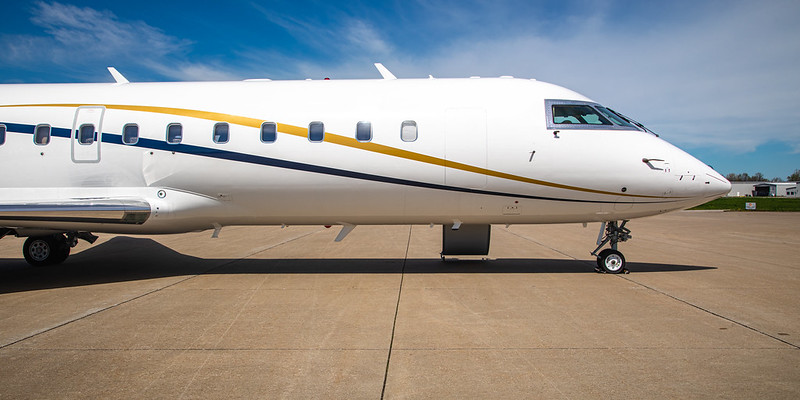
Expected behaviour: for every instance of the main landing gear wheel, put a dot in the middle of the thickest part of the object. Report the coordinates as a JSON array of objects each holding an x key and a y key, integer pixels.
[
  {"x": 611, "y": 261},
  {"x": 46, "y": 250}
]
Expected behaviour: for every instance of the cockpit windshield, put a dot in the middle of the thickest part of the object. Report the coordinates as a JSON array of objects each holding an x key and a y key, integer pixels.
[
  {"x": 577, "y": 114},
  {"x": 618, "y": 119},
  {"x": 574, "y": 114},
  {"x": 637, "y": 124}
]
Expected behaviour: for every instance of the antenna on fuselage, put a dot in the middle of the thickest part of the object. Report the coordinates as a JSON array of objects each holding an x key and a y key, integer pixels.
[
  {"x": 117, "y": 76},
  {"x": 385, "y": 73}
]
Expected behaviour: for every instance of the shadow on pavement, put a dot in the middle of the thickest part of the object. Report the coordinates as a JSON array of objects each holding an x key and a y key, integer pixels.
[{"x": 123, "y": 259}]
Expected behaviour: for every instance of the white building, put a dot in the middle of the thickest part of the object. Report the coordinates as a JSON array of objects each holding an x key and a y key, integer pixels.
[
  {"x": 776, "y": 189},
  {"x": 764, "y": 189}
]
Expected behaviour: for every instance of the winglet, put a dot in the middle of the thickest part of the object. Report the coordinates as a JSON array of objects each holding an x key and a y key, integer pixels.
[
  {"x": 117, "y": 76},
  {"x": 384, "y": 71}
]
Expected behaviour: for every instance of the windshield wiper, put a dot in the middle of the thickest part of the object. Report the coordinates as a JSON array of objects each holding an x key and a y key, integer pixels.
[{"x": 632, "y": 121}]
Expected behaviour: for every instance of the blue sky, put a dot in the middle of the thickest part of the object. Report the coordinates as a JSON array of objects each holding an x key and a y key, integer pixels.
[{"x": 720, "y": 79}]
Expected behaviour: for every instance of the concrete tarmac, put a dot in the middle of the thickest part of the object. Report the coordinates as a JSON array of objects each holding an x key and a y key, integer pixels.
[{"x": 709, "y": 310}]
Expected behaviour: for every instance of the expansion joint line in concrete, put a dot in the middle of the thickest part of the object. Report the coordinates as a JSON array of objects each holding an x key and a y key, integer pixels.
[
  {"x": 548, "y": 247},
  {"x": 396, "y": 310},
  {"x": 711, "y": 312},
  {"x": 543, "y": 245},
  {"x": 671, "y": 296},
  {"x": 87, "y": 315},
  {"x": 260, "y": 250}
]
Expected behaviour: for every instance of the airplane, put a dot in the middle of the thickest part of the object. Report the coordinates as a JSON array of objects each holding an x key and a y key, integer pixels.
[{"x": 465, "y": 153}]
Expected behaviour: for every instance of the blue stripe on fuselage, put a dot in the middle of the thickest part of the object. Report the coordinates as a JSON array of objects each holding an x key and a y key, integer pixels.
[{"x": 152, "y": 144}]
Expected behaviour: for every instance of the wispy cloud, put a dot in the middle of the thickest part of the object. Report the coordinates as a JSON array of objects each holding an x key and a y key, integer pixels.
[
  {"x": 720, "y": 77},
  {"x": 348, "y": 37},
  {"x": 101, "y": 34},
  {"x": 79, "y": 37},
  {"x": 362, "y": 35},
  {"x": 704, "y": 74}
]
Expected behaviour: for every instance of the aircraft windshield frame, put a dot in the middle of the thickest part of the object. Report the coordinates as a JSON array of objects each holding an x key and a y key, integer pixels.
[{"x": 576, "y": 114}]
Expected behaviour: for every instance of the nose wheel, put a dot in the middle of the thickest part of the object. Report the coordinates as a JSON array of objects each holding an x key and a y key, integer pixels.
[{"x": 611, "y": 261}]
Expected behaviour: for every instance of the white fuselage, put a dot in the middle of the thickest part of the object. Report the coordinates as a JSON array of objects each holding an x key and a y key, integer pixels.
[{"x": 483, "y": 154}]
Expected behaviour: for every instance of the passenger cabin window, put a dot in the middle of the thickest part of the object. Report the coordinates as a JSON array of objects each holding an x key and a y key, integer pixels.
[
  {"x": 2, "y": 134},
  {"x": 364, "y": 131},
  {"x": 41, "y": 135},
  {"x": 316, "y": 131},
  {"x": 174, "y": 133},
  {"x": 408, "y": 131},
  {"x": 130, "y": 134},
  {"x": 269, "y": 132},
  {"x": 221, "y": 133},
  {"x": 85, "y": 134}
]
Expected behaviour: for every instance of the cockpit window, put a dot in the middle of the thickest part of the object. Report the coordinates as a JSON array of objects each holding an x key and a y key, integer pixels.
[
  {"x": 575, "y": 114},
  {"x": 618, "y": 119}
]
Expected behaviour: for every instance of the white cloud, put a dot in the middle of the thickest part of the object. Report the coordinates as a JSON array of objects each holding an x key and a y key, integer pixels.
[
  {"x": 100, "y": 33},
  {"x": 361, "y": 35},
  {"x": 720, "y": 74},
  {"x": 187, "y": 71},
  {"x": 724, "y": 77},
  {"x": 79, "y": 38},
  {"x": 349, "y": 36}
]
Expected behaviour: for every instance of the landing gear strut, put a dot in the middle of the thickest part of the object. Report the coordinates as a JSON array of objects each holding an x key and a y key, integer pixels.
[{"x": 611, "y": 261}]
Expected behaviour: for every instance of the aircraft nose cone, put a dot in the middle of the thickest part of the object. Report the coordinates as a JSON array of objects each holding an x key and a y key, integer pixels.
[{"x": 717, "y": 185}]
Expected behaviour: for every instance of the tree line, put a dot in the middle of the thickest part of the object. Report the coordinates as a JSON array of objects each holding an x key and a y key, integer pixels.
[{"x": 759, "y": 177}]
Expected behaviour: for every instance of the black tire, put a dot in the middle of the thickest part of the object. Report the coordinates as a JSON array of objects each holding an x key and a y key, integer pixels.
[
  {"x": 62, "y": 249},
  {"x": 611, "y": 261},
  {"x": 45, "y": 250}
]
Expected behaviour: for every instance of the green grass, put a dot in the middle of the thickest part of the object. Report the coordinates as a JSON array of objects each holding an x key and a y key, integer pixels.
[{"x": 762, "y": 204}]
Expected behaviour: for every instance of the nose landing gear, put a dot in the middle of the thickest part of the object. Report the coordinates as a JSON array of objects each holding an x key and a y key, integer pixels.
[{"x": 611, "y": 261}]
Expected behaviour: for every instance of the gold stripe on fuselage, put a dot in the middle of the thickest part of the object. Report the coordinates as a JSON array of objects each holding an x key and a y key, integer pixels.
[{"x": 342, "y": 141}]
